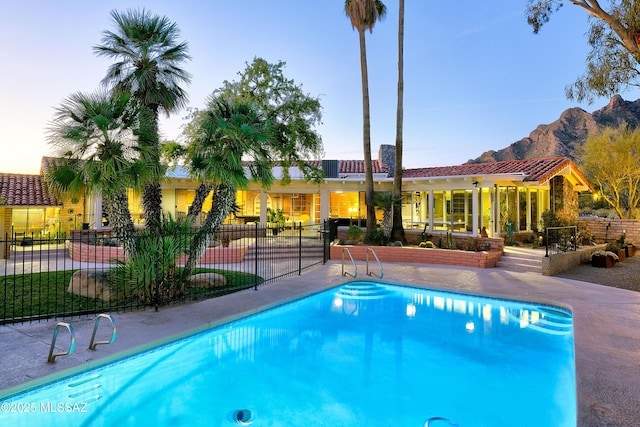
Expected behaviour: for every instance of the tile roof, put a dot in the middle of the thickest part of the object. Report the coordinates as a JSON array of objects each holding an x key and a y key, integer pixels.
[
  {"x": 540, "y": 170},
  {"x": 25, "y": 190}
]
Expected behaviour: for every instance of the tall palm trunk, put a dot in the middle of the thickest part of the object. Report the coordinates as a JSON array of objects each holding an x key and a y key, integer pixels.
[
  {"x": 120, "y": 220},
  {"x": 397, "y": 232},
  {"x": 195, "y": 209},
  {"x": 366, "y": 141},
  {"x": 150, "y": 150},
  {"x": 222, "y": 202}
]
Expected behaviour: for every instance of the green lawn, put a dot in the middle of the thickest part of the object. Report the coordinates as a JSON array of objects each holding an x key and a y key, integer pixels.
[{"x": 41, "y": 295}]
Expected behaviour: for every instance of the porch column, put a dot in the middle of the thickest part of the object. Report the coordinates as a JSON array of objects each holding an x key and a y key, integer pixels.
[
  {"x": 516, "y": 225},
  {"x": 263, "y": 207},
  {"x": 324, "y": 204},
  {"x": 431, "y": 203},
  {"x": 528, "y": 209},
  {"x": 475, "y": 211},
  {"x": 496, "y": 210},
  {"x": 95, "y": 210}
]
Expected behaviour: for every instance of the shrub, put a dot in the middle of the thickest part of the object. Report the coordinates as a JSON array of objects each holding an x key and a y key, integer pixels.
[
  {"x": 354, "y": 232},
  {"x": 427, "y": 244},
  {"x": 377, "y": 237}
]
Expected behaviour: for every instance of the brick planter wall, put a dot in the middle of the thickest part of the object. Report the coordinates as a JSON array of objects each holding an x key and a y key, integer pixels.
[
  {"x": 91, "y": 253},
  {"x": 483, "y": 259}
]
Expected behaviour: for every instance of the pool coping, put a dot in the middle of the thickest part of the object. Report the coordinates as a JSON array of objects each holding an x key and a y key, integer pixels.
[{"x": 606, "y": 331}]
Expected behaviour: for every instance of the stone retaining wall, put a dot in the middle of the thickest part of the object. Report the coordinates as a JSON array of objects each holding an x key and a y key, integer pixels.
[{"x": 564, "y": 261}]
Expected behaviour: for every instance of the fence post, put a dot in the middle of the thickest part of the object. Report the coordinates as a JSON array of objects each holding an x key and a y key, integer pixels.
[
  {"x": 255, "y": 275},
  {"x": 546, "y": 246},
  {"x": 300, "y": 248}
]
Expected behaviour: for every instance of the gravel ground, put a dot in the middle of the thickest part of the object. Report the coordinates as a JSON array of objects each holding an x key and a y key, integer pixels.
[{"x": 623, "y": 275}]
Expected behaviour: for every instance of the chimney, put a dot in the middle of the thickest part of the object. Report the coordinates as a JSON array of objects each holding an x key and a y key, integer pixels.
[{"x": 387, "y": 157}]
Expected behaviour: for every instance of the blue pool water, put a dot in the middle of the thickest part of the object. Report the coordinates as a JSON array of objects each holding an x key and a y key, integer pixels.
[{"x": 363, "y": 354}]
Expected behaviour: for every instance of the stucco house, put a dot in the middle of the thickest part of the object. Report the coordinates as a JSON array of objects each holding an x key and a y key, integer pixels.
[{"x": 463, "y": 199}]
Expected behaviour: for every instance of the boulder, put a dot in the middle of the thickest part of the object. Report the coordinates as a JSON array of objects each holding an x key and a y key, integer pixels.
[
  {"x": 208, "y": 280},
  {"x": 90, "y": 284}
]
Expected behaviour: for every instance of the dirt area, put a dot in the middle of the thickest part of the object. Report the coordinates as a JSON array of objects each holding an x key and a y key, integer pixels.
[{"x": 624, "y": 275}]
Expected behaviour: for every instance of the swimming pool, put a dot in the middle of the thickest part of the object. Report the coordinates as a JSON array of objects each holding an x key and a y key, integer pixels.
[{"x": 361, "y": 354}]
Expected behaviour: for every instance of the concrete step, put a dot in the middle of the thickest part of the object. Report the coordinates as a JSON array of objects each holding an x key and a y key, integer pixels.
[
  {"x": 514, "y": 259},
  {"x": 513, "y": 265}
]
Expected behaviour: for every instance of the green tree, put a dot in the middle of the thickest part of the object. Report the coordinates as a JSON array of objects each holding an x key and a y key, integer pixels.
[
  {"x": 293, "y": 113},
  {"x": 611, "y": 160},
  {"x": 363, "y": 15},
  {"x": 93, "y": 135},
  {"x": 149, "y": 59},
  {"x": 397, "y": 231},
  {"x": 614, "y": 37},
  {"x": 232, "y": 137}
]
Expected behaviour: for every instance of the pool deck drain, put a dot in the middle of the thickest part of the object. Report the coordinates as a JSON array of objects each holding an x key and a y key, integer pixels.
[{"x": 606, "y": 324}]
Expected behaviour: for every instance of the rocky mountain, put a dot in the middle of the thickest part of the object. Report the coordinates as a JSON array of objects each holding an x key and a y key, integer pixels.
[{"x": 562, "y": 137}]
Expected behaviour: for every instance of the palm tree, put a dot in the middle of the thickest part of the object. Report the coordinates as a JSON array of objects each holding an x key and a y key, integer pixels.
[
  {"x": 363, "y": 15},
  {"x": 233, "y": 138},
  {"x": 149, "y": 59},
  {"x": 93, "y": 134},
  {"x": 397, "y": 232}
]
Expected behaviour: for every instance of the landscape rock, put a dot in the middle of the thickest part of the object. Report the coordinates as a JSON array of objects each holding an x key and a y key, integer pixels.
[
  {"x": 208, "y": 280},
  {"x": 90, "y": 284}
]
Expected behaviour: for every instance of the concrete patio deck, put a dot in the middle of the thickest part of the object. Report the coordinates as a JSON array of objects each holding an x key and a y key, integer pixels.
[{"x": 607, "y": 328}]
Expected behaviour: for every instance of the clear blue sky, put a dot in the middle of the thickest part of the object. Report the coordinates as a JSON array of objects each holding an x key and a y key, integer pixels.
[{"x": 476, "y": 77}]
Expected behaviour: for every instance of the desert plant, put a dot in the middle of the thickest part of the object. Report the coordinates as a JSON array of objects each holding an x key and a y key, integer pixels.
[
  {"x": 427, "y": 244},
  {"x": 378, "y": 237},
  {"x": 275, "y": 218},
  {"x": 448, "y": 242},
  {"x": 608, "y": 253},
  {"x": 613, "y": 247},
  {"x": 150, "y": 272},
  {"x": 353, "y": 233}
]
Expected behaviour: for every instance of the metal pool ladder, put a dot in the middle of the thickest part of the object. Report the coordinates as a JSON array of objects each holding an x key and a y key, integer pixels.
[
  {"x": 72, "y": 345},
  {"x": 432, "y": 420},
  {"x": 92, "y": 344},
  {"x": 355, "y": 267},
  {"x": 369, "y": 273}
]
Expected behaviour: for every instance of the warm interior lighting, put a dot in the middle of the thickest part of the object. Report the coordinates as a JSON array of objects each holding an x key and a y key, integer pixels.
[
  {"x": 411, "y": 310},
  {"x": 459, "y": 306},
  {"x": 535, "y": 317},
  {"x": 486, "y": 313},
  {"x": 524, "y": 318},
  {"x": 504, "y": 316},
  {"x": 470, "y": 326}
]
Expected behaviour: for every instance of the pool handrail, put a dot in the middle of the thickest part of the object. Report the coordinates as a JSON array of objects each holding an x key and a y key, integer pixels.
[
  {"x": 370, "y": 273},
  {"x": 72, "y": 345},
  {"x": 355, "y": 267},
  {"x": 446, "y": 420},
  {"x": 92, "y": 344}
]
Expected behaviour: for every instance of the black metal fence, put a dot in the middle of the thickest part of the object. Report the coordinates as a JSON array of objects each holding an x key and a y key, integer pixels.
[
  {"x": 560, "y": 239},
  {"x": 44, "y": 276}
]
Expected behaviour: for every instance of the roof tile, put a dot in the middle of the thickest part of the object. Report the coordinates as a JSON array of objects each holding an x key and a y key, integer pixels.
[{"x": 25, "y": 190}]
